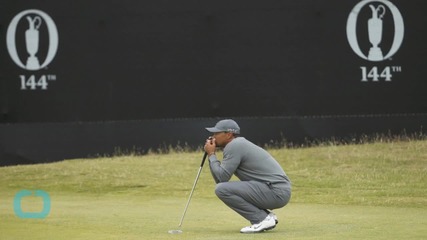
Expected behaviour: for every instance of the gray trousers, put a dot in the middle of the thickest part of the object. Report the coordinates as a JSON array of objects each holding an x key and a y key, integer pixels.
[{"x": 251, "y": 199}]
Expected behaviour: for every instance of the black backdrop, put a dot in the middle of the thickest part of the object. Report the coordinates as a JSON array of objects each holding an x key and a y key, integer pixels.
[{"x": 125, "y": 71}]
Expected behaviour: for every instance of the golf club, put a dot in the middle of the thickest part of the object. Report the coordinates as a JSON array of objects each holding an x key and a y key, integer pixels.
[{"x": 189, "y": 198}]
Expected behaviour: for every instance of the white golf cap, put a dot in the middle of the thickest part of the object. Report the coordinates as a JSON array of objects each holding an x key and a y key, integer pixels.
[{"x": 226, "y": 125}]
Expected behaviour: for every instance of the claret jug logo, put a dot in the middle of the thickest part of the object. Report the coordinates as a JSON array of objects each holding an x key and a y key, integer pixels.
[
  {"x": 377, "y": 11},
  {"x": 375, "y": 32},
  {"x": 32, "y": 42},
  {"x": 31, "y": 21}
]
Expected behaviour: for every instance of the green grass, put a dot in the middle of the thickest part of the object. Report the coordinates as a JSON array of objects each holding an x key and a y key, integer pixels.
[{"x": 367, "y": 191}]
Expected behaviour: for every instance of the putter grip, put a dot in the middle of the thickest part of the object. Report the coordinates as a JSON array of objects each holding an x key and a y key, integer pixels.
[{"x": 204, "y": 158}]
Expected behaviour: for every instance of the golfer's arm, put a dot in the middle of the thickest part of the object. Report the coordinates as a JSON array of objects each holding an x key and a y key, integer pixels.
[{"x": 219, "y": 173}]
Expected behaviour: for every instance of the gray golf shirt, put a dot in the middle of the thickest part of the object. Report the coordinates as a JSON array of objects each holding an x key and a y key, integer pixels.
[{"x": 248, "y": 162}]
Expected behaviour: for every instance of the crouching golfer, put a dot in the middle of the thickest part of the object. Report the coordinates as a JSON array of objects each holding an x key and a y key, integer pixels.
[{"x": 263, "y": 184}]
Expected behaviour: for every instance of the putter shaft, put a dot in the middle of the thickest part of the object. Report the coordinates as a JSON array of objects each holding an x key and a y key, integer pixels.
[{"x": 192, "y": 190}]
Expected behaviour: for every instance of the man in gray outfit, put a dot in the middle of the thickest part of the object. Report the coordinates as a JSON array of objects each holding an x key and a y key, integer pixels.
[{"x": 263, "y": 184}]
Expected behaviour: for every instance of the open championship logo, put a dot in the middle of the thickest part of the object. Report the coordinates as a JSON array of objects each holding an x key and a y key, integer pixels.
[
  {"x": 378, "y": 10},
  {"x": 32, "y": 20},
  {"x": 26, "y": 193}
]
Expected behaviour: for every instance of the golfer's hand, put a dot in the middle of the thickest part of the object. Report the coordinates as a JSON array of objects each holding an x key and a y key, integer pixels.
[{"x": 210, "y": 146}]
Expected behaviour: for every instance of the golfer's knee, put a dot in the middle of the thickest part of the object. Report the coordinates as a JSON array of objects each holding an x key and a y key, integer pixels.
[{"x": 221, "y": 189}]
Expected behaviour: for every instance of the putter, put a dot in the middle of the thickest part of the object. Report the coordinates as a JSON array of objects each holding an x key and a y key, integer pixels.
[{"x": 177, "y": 231}]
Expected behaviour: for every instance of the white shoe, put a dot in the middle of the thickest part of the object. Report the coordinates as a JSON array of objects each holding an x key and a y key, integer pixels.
[
  {"x": 271, "y": 214},
  {"x": 266, "y": 224}
]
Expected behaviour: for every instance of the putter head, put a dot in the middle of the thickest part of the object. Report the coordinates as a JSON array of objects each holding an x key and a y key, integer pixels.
[{"x": 175, "y": 231}]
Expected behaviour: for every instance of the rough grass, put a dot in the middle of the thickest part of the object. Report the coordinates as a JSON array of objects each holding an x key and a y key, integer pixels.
[{"x": 364, "y": 191}]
